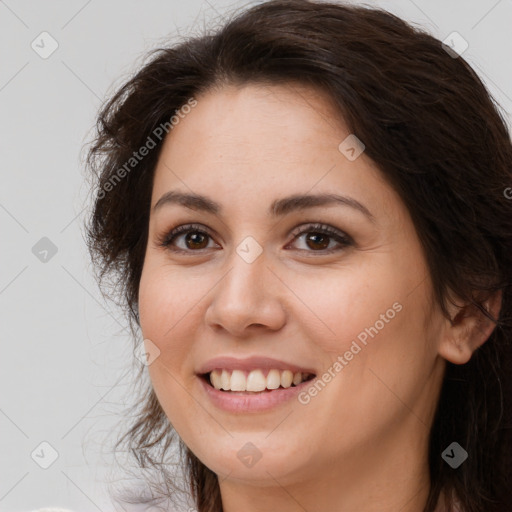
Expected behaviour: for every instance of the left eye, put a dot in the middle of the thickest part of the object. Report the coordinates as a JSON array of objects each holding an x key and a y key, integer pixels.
[{"x": 318, "y": 237}]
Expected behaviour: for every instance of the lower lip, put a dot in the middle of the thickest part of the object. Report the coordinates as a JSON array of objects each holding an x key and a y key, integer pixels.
[{"x": 252, "y": 402}]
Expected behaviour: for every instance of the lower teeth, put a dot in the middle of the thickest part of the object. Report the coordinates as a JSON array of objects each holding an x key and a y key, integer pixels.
[
  {"x": 266, "y": 390},
  {"x": 254, "y": 392}
]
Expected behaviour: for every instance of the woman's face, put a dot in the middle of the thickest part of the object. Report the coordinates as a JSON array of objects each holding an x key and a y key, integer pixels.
[{"x": 256, "y": 287}]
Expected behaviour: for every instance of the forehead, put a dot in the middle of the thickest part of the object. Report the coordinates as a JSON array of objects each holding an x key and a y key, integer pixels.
[
  {"x": 255, "y": 142},
  {"x": 257, "y": 122},
  {"x": 255, "y": 126}
]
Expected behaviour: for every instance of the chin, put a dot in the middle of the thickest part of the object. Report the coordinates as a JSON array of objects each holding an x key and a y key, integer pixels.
[{"x": 261, "y": 465}]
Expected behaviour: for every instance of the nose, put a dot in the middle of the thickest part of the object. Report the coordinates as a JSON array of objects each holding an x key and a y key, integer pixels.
[{"x": 247, "y": 299}]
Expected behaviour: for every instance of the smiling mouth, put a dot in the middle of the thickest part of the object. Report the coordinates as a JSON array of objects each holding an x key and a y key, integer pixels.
[{"x": 254, "y": 382}]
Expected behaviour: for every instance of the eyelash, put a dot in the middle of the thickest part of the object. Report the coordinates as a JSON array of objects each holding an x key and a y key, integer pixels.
[{"x": 324, "y": 229}]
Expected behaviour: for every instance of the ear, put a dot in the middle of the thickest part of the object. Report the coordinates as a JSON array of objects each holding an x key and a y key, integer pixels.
[{"x": 467, "y": 329}]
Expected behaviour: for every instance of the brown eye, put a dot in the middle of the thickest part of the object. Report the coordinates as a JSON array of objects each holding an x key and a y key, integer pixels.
[
  {"x": 186, "y": 238},
  {"x": 196, "y": 240},
  {"x": 317, "y": 241},
  {"x": 318, "y": 238}
]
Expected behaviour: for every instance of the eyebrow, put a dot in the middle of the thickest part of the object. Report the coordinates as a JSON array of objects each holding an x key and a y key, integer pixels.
[{"x": 278, "y": 208}]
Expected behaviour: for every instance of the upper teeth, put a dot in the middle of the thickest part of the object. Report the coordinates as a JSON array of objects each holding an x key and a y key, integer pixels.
[{"x": 255, "y": 380}]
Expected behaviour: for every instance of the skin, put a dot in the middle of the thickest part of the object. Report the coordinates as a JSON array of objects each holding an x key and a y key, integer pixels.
[{"x": 360, "y": 443}]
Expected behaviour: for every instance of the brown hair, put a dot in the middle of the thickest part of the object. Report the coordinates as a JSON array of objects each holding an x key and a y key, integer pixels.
[{"x": 437, "y": 136}]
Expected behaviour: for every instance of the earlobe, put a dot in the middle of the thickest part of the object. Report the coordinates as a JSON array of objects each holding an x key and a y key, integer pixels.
[{"x": 468, "y": 329}]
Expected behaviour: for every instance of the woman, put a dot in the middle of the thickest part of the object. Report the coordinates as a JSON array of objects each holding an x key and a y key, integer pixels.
[{"x": 307, "y": 216}]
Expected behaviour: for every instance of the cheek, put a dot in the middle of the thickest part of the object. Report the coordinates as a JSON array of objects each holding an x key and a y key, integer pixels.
[
  {"x": 168, "y": 299},
  {"x": 371, "y": 326},
  {"x": 379, "y": 350},
  {"x": 345, "y": 305},
  {"x": 164, "y": 317},
  {"x": 171, "y": 311}
]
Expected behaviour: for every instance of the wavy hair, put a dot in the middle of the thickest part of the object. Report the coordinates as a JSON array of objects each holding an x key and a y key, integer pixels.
[{"x": 439, "y": 139}]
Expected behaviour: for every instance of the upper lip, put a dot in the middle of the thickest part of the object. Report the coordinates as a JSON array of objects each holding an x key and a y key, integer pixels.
[{"x": 250, "y": 363}]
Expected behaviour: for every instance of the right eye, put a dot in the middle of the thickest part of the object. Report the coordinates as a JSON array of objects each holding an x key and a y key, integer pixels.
[{"x": 195, "y": 238}]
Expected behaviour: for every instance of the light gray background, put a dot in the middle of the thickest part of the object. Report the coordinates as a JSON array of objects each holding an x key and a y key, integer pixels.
[{"x": 66, "y": 355}]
